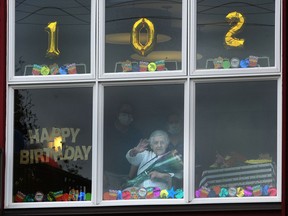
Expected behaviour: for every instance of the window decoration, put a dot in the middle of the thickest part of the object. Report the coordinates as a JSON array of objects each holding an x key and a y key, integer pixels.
[
  {"x": 229, "y": 39},
  {"x": 52, "y": 50},
  {"x": 140, "y": 25}
]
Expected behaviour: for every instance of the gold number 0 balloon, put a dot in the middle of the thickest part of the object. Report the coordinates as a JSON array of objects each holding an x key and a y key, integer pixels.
[
  {"x": 229, "y": 40},
  {"x": 52, "y": 50},
  {"x": 143, "y": 49}
]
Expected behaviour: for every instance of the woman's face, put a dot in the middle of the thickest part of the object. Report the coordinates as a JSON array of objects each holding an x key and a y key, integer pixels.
[{"x": 159, "y": 145}]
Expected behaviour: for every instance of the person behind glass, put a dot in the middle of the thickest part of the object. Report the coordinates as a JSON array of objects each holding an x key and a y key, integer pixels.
[
  {"x": 144, "y": 159},
  {"x": 175, "y": 131},
  {"x": 119, "y": 136}
]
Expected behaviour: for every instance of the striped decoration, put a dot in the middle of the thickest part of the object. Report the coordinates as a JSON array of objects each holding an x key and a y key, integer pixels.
[{"x": 248, "y": 175}]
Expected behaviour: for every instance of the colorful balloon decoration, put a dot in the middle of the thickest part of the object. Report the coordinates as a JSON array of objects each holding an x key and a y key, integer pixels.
[
  {"x": 52, "y": 50},
  {"x": 229, "y": 39},
  {"x": 143, "y": 49}
]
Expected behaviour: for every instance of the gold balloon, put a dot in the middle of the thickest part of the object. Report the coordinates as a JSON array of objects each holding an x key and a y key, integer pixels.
[
  {"x": 229, "y": 40},
  {"x": 143, "y": 49},
  {"x": 52, "y": 50}
]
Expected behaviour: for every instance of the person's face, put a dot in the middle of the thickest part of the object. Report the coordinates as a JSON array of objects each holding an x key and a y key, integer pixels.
[
  {"x": 159, "y": 145},
  {"x": 125, "y": 118},
  {"x": 174, "y": 125}
]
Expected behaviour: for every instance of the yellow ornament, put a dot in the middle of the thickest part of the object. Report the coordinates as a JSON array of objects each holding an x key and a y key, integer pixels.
[
  {"x": 240, "y": 192},
  {"x": 52, "y": 50},
  {"x": 152, "y": 67},
  {"x": 229, "y": 39},
  {"x": 164, "y": 194},
  {"x": 45, "y": 70},
  {"x": 143, "y": 23}
]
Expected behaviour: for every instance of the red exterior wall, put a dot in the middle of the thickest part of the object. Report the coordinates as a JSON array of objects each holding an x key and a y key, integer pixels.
[
  {"x": 239, "y": 212},
  {"x": 284, "y": 137},
  {"x": 2, "y": 70},
  {"x": 2, "y": 90}
]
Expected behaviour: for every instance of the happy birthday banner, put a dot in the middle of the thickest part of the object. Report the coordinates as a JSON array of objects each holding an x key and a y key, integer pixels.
[{"x": 54, "y": 150}]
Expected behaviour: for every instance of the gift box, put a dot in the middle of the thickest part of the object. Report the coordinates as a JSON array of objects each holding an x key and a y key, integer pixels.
[{"x": 240, "y": 176}]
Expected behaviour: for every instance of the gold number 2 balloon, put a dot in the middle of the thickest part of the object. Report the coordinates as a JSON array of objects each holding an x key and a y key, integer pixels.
[
  {"x": 229, "y": 40},
  {"x": 140, "y": 24},
  {"x": 52, "y": 50}
]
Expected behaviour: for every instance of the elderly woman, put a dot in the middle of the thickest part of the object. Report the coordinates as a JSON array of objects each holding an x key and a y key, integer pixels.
[{"x": 156, "y": 167}]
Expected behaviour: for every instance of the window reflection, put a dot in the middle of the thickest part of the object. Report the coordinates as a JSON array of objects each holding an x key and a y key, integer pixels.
[
  {"x": 236, "y": 139},
  {"x": 52, "y": 146},
  {"x": 143, "y": 142}
]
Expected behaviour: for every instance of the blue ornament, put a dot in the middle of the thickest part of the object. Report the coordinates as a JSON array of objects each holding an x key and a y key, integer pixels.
[
  {"x": 119, "y": 195},
  {"x": 244, "y": 63},
  {"x": 212, "y": 193},
  {"x": 179, "y": 194},
  {"x": 63, "y": 70},
  {"x": 171, "y": 193}
]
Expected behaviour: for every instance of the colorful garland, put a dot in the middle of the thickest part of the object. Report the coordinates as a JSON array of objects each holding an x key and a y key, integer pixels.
[
  {"x": 224, "y": 63},
  {"x": 54, "y": 69},
  {"x": 143, "y": 193},
  {"x": 73, "y": 195},
  {"x": 247, "y": 191},
  {"x": 143, "y": 66}
]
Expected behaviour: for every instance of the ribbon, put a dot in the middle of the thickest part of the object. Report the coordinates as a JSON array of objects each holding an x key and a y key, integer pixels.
[
  {"x": 179, "y": 194},
  {"x": 212, "y": 193},
  {"x": 156, "y": 192},
  {"x": 223, "y": 192},
  {"x": 240, "y": 192},
  {"x": 272, "y": 191},
  {"x": 164, "y": 194},
  {"x": 265, "y": 190},
  {"x": 248, "y": 191}
]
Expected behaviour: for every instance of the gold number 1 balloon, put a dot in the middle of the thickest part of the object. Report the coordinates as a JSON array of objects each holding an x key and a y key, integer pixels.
[
  {"x": 140, "y": 24},
  {"x": 229, "y": 40},
  {"x": 52, "y": 50}
]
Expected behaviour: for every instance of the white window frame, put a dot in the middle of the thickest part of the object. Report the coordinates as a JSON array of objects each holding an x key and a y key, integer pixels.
[
  {"x": 235, "y": 72},
  {"x": 51, "y": 78},
  {"x": 253, "y": 199},
  {"x": 110, "y": 75},
  {"x": 189, "y": 76},
  {"x": 101, "y": 143}
]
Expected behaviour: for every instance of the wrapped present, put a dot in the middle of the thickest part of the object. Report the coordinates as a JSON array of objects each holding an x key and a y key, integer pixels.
[
  {"x": 253, "y": 61},
  {"x": 58, "y": 195},
  {"x": 239, "y": 176},
  {"x": 218, "y": 63},
  {"x": 171, "y": 162},
  {"x": 143, "y": 66},
  {"x": 54, "y": 69},
  {"x": 72, "y": 68},
  {"x": 19, "y": 197},
  {"x": 127, "y": 66},
  {"x": 36, "y": 69},
  {"x": 160, "y": 65},
  {"x": 45, "y": 70}
]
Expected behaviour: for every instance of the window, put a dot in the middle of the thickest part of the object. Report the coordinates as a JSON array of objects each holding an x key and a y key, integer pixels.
[
  {"x": 235, "y": 34},
  {"x": 52, "y": 39},
  {"x": 241, "y": 149},
  {"x": 143, "y": 103},
  {"x": 52, "y": 146},
  {"x": 144, "y": 39},
  {"x": 163, "y": 106}
]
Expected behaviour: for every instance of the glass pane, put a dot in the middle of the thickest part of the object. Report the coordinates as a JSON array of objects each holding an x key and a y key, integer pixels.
[
  {"x": 233, "y": 34},
  {"x": 143, "y": 142},
  {"x": 143, "y": 35},
  {"x": 236, "y": 139},
  {"x": 52, "y": 144},
  {"x": 52, "y": 37}
]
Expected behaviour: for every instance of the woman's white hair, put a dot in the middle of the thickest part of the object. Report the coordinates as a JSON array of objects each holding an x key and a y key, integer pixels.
[{"x": 159, "y": 133}]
